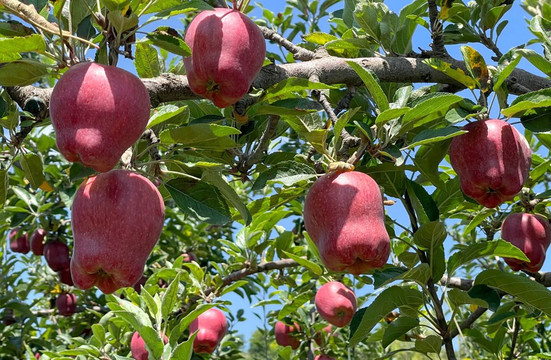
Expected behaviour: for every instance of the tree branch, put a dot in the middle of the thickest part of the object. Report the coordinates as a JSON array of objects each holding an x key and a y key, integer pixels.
[
  {"x": 436, "y": 27},
  {"x": 469, "y": 321},
  {"x": 299, "y": 53},
  {"x": 248, "y": 161},
  {"x": 331, "y": 70}
]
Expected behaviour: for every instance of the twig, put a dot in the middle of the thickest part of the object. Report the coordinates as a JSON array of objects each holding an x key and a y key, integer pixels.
[
  {"x": 516, "y": 330},
  {"x": 299, "y": 53},
  {"x": 465, "y": 324},
  {"x": 248, "y": 161},
  {"x": 436, "y": 31},
  {"x": 490, "y": 44}
]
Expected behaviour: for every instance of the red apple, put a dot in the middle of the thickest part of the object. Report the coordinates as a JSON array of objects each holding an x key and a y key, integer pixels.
[
  {"x": 531, "y": 234},
  {"x": 344, "y": 215},
  {"x": 37, "y": 241},
  {"x": 37, "y": 356},
  {"x": 138, "y": 286},
  {"x": 117, "y": 218},
  {"x": 336, "y": 303},
  {"x": 19, "y": 244},
  {"x": 65, "y": 277},
  {"x": 188, "y": 257},
  {"x": 228, "y": 51},
  {"x": 137, "y": 346},
  {"x": 66, "y": 304},
  {"x": 318, "y": 338},
  {"x": 286, "y": 334},
  {"x": 212, "y": 326},
  {"x": 492, "y": 160},
  {"x": 98, "y": 112},
  {"x": 323, "y": 357},
  {"x": 8, "y": 318},
  {"x": 57, "y": 255}
]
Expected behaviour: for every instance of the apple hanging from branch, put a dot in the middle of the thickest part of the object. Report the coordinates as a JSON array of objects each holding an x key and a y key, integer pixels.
[
  {"x": 286, "y": 334},
  {"x": 212, "y": 326},
  {"x": 336, "y": 303}
]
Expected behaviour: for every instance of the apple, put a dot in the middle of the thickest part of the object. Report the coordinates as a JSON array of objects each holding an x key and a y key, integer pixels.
[
  {"x": 117, "y": 218},
  {"x": 212, "y": 326},
  {"x": 137, "y": 347},
  {"x": 531, "y": 234},
  {"x": 98, "y": 112},
  {"x": 37, "y": 356},
  {"x": 57, "y": 255},
  {"x": 323, "y": 357},
  {"x": 65, "y": 277},
  {"x": 138, "y": 286},
  {"x": 344, "y": 216},
  {"x": 8, "y": 318},
  {"x": 336, "y": 303},
  {"x": 19, "y": 244},
  {"x": 188, "y": 257},
  {"x": 37, "y": 241},
  {"x": 286, "y": 334},
  {"x": 492, "y": 161},
  {"x": 227, "y": 53},
  {"x": 66, "y": 304}
]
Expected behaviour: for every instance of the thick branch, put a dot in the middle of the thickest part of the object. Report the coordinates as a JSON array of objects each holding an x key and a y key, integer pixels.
[
  {"x": 330, "y": 70},
  {"x": 298, "y": 52},
  {"x": 29, "y": 14}
]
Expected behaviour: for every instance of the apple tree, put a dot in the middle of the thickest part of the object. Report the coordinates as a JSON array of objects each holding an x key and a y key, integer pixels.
[{"x": 336, "y": 179}]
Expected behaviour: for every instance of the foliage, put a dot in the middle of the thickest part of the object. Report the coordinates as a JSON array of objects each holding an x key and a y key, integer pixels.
[{"x": 234, "y": 180}]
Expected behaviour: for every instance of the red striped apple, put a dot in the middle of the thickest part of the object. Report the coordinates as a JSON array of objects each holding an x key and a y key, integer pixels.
[
  {"x": 336, "y": 303},
  {"x": 492, "y": 160},
  {"x": 227, "y": 53},
  {"x": 286, "y": 334},
  {"x": 98, "y": 112},
  {"x": 531, "y": 234},
  {"x": 212, "y": 326},
  {"x": 344, "y": 216},
  {"x": 117, "y": 218}
]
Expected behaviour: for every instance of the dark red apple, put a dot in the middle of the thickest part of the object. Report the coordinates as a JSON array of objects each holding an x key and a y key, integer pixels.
[
  {"x": 212, "y": 326},
  {"x": 19, "y": 244},
  {"x": 336, "y": 303},
  {"x": 286, "y": 334},
  {"x": 57, "y": 255},
  {"x": 492, "y": 160},
  {"x": 138, "y": 286},
  {"x": 188, "y": 257},
  {"x": 344, "y": 215},
  {"x": 65, "y": 277},
  {"x": 37, "y": 241},
  {"x": 8, "y": 318},
  {"x": 66, "y": 304},
  {"x": 228, "y": 51},
  {"x": 137, "y": 346},
  {"x": 117, "y": 218},
  {"x": 531, "y": 234},
  {"x": 98, "y": 112}
]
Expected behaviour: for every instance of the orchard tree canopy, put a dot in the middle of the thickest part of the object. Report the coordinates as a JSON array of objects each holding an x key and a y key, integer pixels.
[{"x": 181, "y": 177}]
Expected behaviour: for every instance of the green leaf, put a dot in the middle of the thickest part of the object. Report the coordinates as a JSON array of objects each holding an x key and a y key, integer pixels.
[
  {"x": 202, "y": 136},
  {"x": 99, "y": 332},
  {"x": 122, "y": 22},
  {"x": 114, "y": 5},
  {"x": 391, "y": 114},
  {"x": 423, "y": 203},
  {"x": 486, "y": 293},
  {"x": 292, "y": 85},
  {"x": 485, "y": 249},
  {"x": 315, "y": 136},
  {"x": 319, "y": 38},
  {"x": 234, "y": 286},
  {"x": 200, "y": 200},
  {"x": 313, "y": 267},
  {"x": 22, "y": 72},
  {"x": 428, "y": 157},
  {"x": 291, "y": 106},
  {"x": 131, "y": 313},
  {"x": 459, "y": 297},
  {"x": 536, "y": 59},
  {"x": 285, "y": 172},
  {"x": 455, "y": 73},
  {"x": 297, "y": 301},
  {"x": 477, "y": 220},
  {"x": 372, "y": 85},
  {"x": 521, "y": 287},
  {"x": 167, "y": 112},
  {"x": 391, "y": 177},
  {"x": 537, "y": 120},
  {"x": 147, "y": 61},
  {"x": 397, "y": 328},
  {"x": 169, "y": 41},
  {"x": 184, "y": 350},
  {"x": 21, "y": 44},
  {"x": 33, "y": 168},
  {"x": 430, "y": 344},
  {"x": 448, "y": 196},
  {"x": 429, "y": 109},
  {"x": 507, "y": 64},
  {"x": 365, "y": 319},
  {"x": 215, "y": 178},
  {"x": 386, "y": 275},
  {"x": 3, "y": 187},
  {"x": 429, "y": 136},
  {"x": 528, "y": 101},
  {"x": 170, "y": 297},
  {"x": 430, "y": 235}
]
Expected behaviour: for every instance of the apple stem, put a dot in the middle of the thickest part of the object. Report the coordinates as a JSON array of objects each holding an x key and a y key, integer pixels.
[{"x": 235, "y": 5}]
